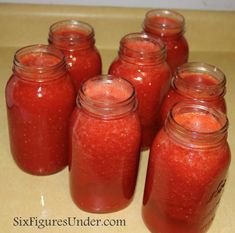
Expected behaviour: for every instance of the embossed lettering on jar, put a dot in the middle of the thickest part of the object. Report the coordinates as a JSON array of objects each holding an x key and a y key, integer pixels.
[
  {"x": 187, "y": 170},
  {"x": 40, "y": 98},
  {"x": 77, "y": 41},
  {"x": 106, "y": 136},
  {"x": 169, "y": 26},
  {"x": 141, "y": 60}
]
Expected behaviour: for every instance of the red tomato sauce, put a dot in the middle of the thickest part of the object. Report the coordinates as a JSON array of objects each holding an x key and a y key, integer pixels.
[
  {"x": 76, "y": 40},
  {"x": 170, "y": 30},
  {"x": 105, "y": 153},
  {"x": 184, "y": 185},
  {"x": 150, "y": 77},
  {"x": 38, "y": 114},
  {"x": 201, "y": 87}
]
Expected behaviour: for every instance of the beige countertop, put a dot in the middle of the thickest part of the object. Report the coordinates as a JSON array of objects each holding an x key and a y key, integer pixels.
[{"x": 211, "y": 38}]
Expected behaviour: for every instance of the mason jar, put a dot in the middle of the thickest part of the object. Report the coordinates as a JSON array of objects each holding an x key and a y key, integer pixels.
[
  {"x": 40, "y": 98},
  {"x": 169, "y": 25},
  {"x": 196, "y": 81},
  {"x": 141, "y": 60},
  {"x": 187, "y": 170},
  {"x": 76, "y": 39},
  {"x": 105, "y": 144}
]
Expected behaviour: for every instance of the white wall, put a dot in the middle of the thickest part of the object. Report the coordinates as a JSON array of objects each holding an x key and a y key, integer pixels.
[{"x": 181, "y": 4}]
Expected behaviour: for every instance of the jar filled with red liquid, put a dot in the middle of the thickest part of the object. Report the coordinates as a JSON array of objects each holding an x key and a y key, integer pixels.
[
  {"x": 76, "y": 40},
  {"x": 141, "y": 60},
  {"x": 106, "y": 136},
  {"x": 40, "y": 98},
  {"x": 187, "y": 170},
  {"x": 169, "y": 26},
  {"x": 196, "y": 81}
]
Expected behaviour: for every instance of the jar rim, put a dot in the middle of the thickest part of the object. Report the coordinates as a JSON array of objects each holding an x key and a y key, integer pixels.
[
  {"x": 197, "y": 138},
  {"x": 27, "y": 71},
  {"x": 71, "y": 24},
  {"x": 142, "y": 36},
  {"x": 200, "y": 68},
  {"x": 139, "y": 55},
  {"x": 167, "y": 14},
  {"x": 39, "y": 48},
  {"x": 105, "y": 108}
]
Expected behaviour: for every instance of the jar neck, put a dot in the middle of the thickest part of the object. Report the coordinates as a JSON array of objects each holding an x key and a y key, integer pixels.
[
  {"x": 107, "y": 97},
  {"x": 196, "y": 126},
  {"x": 167, "y": 24},
  {"x": 142, "y": 49},
  {"x": 71, "y": 35},
  {"x": 199, "y": 81},
  {"x": 39, "y": 63}
]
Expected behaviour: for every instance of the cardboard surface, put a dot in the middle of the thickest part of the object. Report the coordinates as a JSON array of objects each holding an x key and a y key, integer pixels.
[{"x": 211, "y": 40}]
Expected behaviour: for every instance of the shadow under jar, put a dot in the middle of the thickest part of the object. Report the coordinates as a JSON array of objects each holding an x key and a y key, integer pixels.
[
  {"x": 105, "y": 135},
  {"x": 76, "y": 39},
  {"x": 169, "y": 26},
  {"x": 40, "y": 98},
  {"x": 141, "y": 60},
  {"x": 199, "y": 82},
  {"x": 187, "y": 170}
]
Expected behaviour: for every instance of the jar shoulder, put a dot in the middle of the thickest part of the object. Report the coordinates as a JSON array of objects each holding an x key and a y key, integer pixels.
[
  {"x": 120, "y": 66},
  {"x": 166, "y": 149},
  {"x": 84, "y": 121},
  {"x": 19, "y": 91}
]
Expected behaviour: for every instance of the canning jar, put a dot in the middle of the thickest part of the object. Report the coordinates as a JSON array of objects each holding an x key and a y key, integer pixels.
[
  {"x": 169, "y": 26},
  {"x": 141, "y": 60},
  {"x": 106, "y": 135},
  {"x": 77, "y": 41},
  {"x": 187, "y": 170},
  {"x": 40, "y": 98},
  {"x": 196, "y": 81}
]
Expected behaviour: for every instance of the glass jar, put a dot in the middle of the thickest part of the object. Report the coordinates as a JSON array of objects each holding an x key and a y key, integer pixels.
[
  {"x": 106, "y": 137},
  {"x": 196, "y": 81},
  {"x": 169, "y": 26},
  {"x": 76, "y": 40},
  {"x": 141, "y": 60},
  {"x": 40, "y": 98},
  {"x": 187, "y": 170}
]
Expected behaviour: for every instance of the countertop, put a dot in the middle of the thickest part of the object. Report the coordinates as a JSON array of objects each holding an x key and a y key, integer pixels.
[{"x": 211, "y": 37}]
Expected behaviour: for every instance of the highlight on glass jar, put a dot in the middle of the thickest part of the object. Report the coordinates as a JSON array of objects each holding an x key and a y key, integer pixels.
[
  {"x": 40, "y": 98},
  {"x": 106, "y": 136},
  {"x": 77, "y": 41},
  {"x": 187, "y": 170},
  {"x": 141, "y": 60},
  {"x": 169, "y": 25},
  {"x": 196, "y": 81}
]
